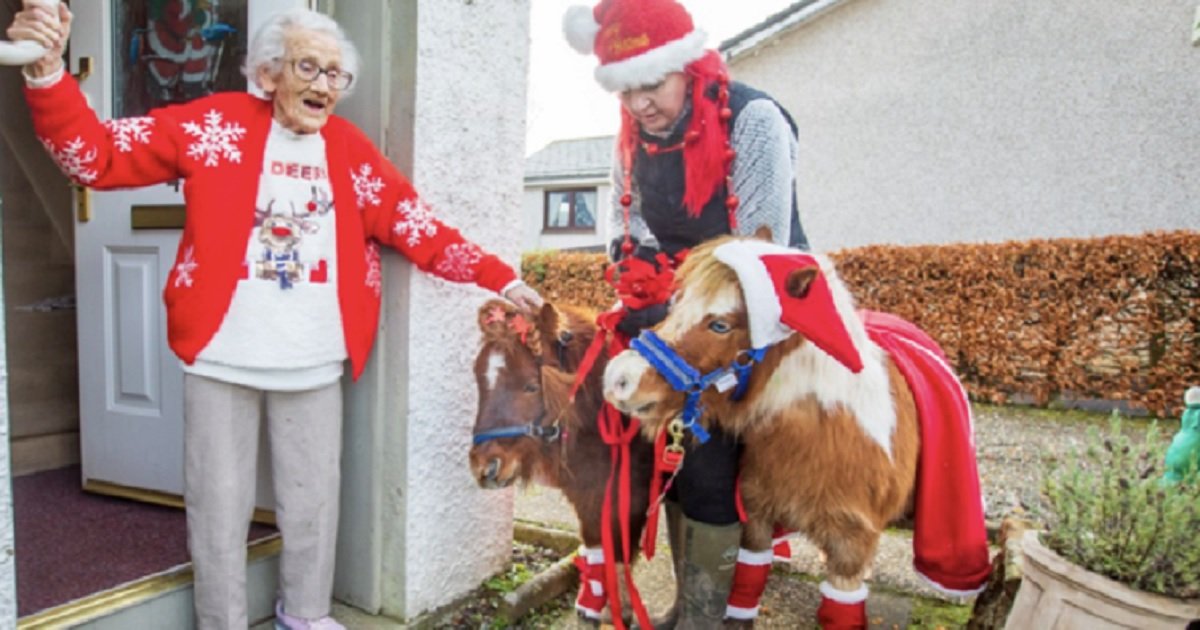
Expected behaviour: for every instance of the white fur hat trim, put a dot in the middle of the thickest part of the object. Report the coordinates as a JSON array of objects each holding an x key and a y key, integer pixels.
[
  {"x": 651, "y": 66},
  {"x": 762, "y": 303},
  {"x": 580, "y": 28}
]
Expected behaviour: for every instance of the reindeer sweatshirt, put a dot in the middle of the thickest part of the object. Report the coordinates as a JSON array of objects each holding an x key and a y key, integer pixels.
[
  {"x": 280, "y": 332},
  {"x": 217, "y": 146}
]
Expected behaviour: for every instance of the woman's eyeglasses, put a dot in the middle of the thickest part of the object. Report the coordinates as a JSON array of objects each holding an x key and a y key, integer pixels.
[{"x": 309, "y": 70}]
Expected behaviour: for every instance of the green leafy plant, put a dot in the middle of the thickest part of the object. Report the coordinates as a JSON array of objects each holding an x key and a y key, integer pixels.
[{"x": 1108, "y": 513}]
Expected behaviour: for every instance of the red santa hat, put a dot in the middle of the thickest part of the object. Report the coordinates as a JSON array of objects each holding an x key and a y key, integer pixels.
[
  {"x": 638, "y": 42},
  {"x": 786, "y": 291}
]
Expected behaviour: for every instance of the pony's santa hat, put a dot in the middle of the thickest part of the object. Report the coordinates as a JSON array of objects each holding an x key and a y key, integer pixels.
[
  {"x": 786, "y": 291},
  {"x": 638, "y": 42}
]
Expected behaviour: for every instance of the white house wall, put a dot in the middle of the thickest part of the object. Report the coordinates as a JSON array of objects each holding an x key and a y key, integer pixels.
[
  {"x": 534, "y": 212},
  {"x": 468, "y": 140},
  {"x": 930, "y": 121}
]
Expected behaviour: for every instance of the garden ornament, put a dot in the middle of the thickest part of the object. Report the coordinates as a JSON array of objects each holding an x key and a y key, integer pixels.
[
  {"x": 22, "y": 53},
  {"x": 1184, "y": 451}
]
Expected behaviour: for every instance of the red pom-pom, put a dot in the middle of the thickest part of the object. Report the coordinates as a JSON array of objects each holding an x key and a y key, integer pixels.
[
  {"x": 626, "y": 199},
  {"x": 732, "y": 202},
  {"x": 723, "y": 94},
  {"x": 726, "y": 113},
  {"x": 730, "y": 154},
  {"x": 312, "y": 206},
  {"x": 692, "y": 135},
  {"x": 627, "y": 248}
]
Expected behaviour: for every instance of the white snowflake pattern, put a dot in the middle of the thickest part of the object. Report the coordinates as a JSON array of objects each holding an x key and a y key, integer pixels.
[
  {"x": 74, "y": 158},
  {"x": 366, "y": 187},
  {"x": 126, "y": 131},
  {"x": 374, "y": 270},
  {"x": 183, "y": 270},
  {"x": 459, "y": 263},
  {"x": 416, "y": 221},
  {"x": 215, "y": 140}
]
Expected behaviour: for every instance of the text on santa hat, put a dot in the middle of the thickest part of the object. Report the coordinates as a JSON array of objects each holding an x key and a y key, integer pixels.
[{"x": 618, "y": 45}]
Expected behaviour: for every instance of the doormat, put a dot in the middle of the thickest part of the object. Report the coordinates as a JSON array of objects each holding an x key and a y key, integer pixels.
[{"x": 71, "y": 544}]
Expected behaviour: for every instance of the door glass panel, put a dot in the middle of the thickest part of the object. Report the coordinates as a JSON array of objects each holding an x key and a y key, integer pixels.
[{"x": 173, "y": 51}]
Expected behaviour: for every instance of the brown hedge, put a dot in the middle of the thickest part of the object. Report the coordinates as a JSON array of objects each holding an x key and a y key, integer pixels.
[{"x": 1114, "y": 318}]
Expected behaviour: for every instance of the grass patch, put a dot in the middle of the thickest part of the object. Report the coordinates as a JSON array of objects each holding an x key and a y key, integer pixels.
[{"x": 935, "y": 614}]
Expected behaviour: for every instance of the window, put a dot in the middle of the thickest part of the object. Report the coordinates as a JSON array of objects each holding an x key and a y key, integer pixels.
[{"x": 570, "y": 210}]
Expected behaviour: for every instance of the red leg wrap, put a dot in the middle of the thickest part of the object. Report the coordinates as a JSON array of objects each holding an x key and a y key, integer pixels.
[
  {"x": 840, "y": 610},
  {"x": 590, "y": 600},
  {"x": 749, "y": 582},
  {"x": 783, "y": 548}
]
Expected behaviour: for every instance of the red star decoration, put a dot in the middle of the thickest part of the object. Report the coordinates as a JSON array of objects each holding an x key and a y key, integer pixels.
[
  {"x": 521, "y": 326},
  {"x": 496, "y": 314}
]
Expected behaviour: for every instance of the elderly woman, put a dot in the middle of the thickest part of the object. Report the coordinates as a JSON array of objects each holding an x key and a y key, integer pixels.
[{"x": 275, "y": 285}]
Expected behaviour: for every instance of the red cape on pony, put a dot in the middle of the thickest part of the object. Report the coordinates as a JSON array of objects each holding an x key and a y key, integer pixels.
[{"x": 949, "y": 537}]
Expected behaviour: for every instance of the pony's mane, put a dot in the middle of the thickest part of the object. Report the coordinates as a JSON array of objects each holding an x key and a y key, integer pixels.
[
  {"x": 701, "y": 271},
  {"x": 812, "y": 371}
]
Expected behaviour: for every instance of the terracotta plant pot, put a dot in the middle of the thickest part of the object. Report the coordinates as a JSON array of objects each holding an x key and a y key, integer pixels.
[{"x": 1058, "y": 595}]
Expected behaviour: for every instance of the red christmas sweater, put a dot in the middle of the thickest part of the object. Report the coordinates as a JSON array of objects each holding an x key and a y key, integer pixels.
[{"x": 215, "y": 145}]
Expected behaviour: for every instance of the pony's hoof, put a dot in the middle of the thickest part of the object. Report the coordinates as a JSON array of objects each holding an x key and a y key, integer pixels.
[{"x": 587, "y": 620}]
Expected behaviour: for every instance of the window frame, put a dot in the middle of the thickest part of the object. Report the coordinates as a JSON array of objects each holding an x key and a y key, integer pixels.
[{"x": 571, "y": 227}]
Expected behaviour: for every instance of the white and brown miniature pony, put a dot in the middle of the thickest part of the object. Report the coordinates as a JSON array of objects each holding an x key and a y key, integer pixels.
[{"x": 848, "y": 420}]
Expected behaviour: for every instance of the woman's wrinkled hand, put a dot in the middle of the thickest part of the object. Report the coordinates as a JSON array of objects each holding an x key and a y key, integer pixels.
[
  {"x": 43, "y": 26},
  {"x": 524, "y": 297}
]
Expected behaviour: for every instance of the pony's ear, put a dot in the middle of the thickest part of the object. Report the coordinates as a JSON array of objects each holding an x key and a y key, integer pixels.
[
  {"x": 493, "y": 318},
  {"x": 547, "y": 327},
  {"x": 800, "y": 281},
  {"x": 547, "y": 320},
  {"x": 763, "y": 233}
]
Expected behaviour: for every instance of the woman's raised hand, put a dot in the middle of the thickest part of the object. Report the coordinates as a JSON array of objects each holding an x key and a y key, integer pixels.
[{"x": 48, "y": 27}]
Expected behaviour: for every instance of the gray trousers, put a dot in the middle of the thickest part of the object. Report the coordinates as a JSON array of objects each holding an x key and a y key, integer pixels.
[{"x": 221, "y": 429}]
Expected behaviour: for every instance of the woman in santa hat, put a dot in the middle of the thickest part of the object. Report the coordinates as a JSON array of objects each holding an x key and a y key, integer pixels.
[{"x": 698, "y": 156}]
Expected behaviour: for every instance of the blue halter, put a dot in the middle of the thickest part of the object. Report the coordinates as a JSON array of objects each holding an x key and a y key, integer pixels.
[
  {"x": 684, "y": 378},
  {"x": 533, "y": 429}
]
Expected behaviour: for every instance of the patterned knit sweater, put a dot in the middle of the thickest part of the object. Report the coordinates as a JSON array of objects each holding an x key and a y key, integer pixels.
[{"x": 216, "y": 146}]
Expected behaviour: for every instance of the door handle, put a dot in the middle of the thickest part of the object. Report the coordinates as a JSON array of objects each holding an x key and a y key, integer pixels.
[
  {"x": 83, "y": 203},
  {"x": 85, "y": 69}
]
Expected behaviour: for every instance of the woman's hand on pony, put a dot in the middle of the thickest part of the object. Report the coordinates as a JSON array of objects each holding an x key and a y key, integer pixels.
[{"x": 524, "y": 297}]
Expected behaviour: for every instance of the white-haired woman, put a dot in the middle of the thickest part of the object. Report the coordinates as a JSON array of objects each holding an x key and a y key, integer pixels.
[{"x": 275, "y": 285}]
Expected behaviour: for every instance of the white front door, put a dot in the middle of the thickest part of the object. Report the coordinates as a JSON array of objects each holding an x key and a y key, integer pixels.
[{"x": 143, "y": 54}]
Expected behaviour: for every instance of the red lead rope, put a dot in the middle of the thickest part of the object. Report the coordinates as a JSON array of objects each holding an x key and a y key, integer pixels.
[{"x": 618, "y": 436}]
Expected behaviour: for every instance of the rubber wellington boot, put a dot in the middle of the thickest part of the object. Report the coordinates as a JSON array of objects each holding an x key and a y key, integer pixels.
[
  {"x": 710, "y": 555},
  {"x": 674, "y": 518}
]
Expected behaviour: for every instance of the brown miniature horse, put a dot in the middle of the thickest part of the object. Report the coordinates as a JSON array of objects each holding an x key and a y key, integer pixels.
[
  {"x": 528, "y": 429},
  {"x": 827, "y": 418}
]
